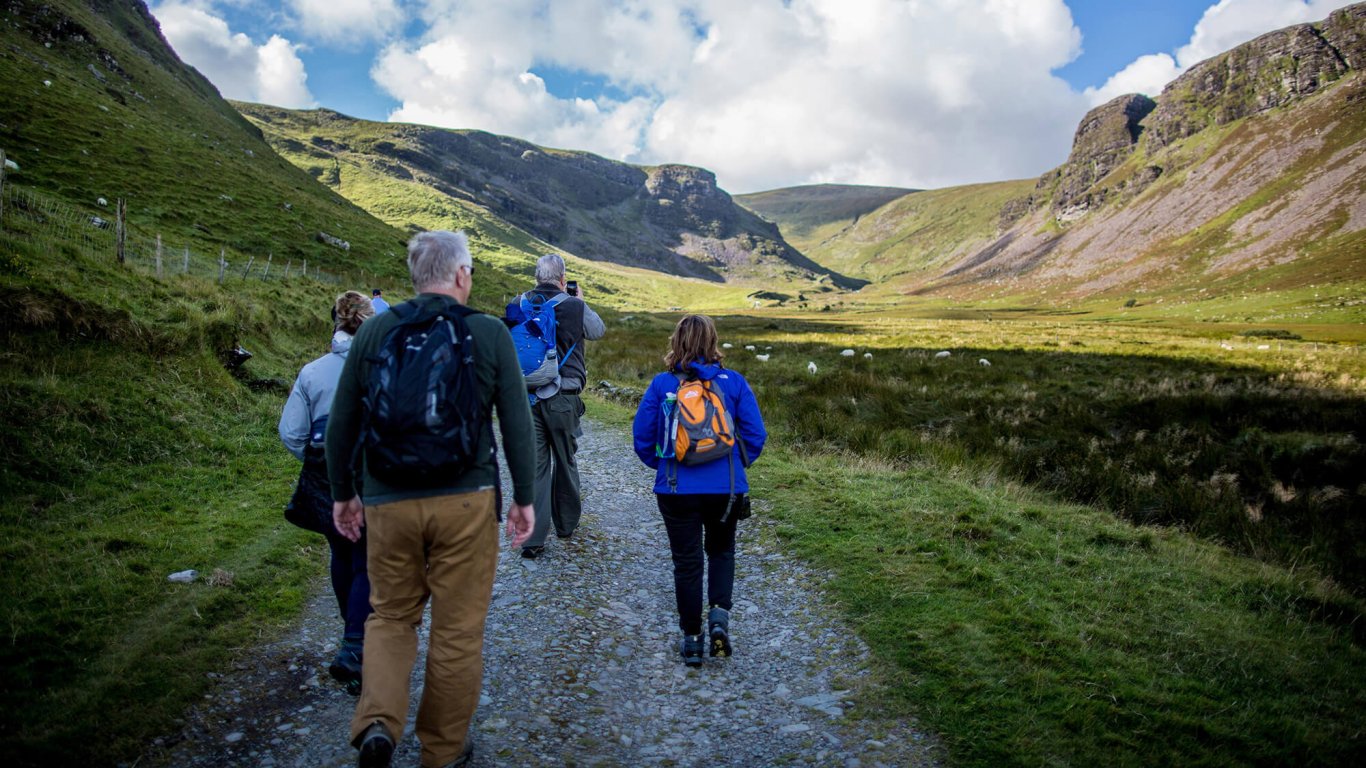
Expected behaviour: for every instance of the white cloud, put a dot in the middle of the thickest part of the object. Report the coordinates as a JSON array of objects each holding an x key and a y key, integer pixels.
[
  {"x": 271, "y": 73},
  {"x": 343, "y": 21},
  {"x": 1224, "y": 25},
  {"x": 765, "y": 93}
]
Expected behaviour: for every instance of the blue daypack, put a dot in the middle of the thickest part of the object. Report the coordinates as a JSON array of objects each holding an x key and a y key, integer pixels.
[{"x": 534, "y": 338}]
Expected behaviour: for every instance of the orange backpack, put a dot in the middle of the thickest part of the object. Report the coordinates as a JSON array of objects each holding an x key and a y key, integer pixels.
[{"x": 702, "y": 428}]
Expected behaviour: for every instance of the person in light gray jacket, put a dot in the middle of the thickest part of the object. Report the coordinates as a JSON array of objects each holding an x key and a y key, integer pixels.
[{"x": 303, "y": 424}]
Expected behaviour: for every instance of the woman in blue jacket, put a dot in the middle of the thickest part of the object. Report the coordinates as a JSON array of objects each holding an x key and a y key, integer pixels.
[
  {"x": 302, "y": 425},
  {"x": 699, "y": 502}
]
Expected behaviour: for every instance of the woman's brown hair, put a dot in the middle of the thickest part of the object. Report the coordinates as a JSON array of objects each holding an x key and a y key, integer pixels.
[
  {"x": 351, "y": 310},
  {"x": 693, "y": 339}
]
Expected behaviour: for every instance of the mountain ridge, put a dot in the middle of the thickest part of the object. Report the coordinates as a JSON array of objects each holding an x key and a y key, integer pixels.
[
  {"x": 671, "y": 218},
  {"x": 1245, "y": 179}
]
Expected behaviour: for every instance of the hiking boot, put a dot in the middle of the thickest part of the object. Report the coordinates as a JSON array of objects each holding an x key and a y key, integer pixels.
[
  {"x": 531, "y": 553},
  {"x": 346, "y": 667},
  {"x": 691, "y": 648},
  {"x": 376, "y": 747},
  {"x": 718, "y": 627}
]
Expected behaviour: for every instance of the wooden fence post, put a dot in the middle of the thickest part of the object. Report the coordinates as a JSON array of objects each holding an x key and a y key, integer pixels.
[
  {"x": 305, "y": 272},
  {"x": 185, "y": 266},
  {"x": 120, "y": 228},
  {"x": 269, "y": 258},
  {"x": 2, "y": 186},
  {"x": 289, "y": 263},
  {"x": 158, "y": 257},
  {"x": 222, "y": 264},
  {"x": 248, "y": 269}
]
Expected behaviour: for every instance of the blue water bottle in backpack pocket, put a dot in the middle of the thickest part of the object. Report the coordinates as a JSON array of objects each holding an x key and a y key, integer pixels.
[{"x": 664, "y": 447}]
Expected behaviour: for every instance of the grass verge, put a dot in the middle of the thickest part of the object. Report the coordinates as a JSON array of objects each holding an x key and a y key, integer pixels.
[{"x": 1020, "y": 627}]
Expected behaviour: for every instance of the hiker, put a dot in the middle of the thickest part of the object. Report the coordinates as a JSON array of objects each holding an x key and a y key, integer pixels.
[
  {"x": 430, "y": 494},
  {"x": 377, "y": 299},
  {"x": 556, "y": 405},
  {"x": 302, "y": 425},
  {"x": 699, "y": 427}
]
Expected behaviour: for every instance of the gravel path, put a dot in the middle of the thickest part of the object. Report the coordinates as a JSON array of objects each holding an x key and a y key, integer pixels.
[{"x": 581, "y": 662}]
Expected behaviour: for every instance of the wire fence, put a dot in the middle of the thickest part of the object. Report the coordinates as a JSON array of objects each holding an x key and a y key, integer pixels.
[{"x": 52, "y": 224}]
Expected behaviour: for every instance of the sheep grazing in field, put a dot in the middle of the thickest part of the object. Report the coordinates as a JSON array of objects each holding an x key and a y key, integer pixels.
[
  {"x": 941, "y": 355},
  {"x": 1263, "y": 346},
  {"x": 749, "y": 347},
  {"x": 811, "y": 366},
  {"x": 767, "y": 348},
  {"x": 762, "y": 358},
  {"x": 847, "y": 353},
  {"x": 728, "y": 345},
  {"x": 1226, "y": 346},
  {"x": 867, "y": 355},
  {"x": 985, "y": 363}
]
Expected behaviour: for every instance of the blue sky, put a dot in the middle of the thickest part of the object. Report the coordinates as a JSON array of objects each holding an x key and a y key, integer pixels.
[{"x": 766, "y": 93}]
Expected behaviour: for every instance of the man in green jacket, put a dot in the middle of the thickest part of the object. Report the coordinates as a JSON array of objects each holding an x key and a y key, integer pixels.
[{"x": 438, "y": 541}]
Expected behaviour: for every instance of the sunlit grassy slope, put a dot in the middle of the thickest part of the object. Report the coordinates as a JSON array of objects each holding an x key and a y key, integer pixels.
[
  {"x": 810, "y": 215},
  {"x": 94, "y": 104},
  {"x": 421, "y": 183}
]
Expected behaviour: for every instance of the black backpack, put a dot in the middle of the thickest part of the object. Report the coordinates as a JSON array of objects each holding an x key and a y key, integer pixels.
[{"x": 423, "y": 414}]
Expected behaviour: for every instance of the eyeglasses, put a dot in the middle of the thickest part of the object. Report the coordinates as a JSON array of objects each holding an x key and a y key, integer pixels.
[{"x": 469, "y": 269}]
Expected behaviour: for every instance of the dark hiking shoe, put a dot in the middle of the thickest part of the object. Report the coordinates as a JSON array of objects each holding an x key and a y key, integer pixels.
[
  {"x": 691, "y": 648},
  {"x": 345, "y": 668},
  {"x": 718, "y": 627},
  {"x": 376, "y": 747},
  {"x": 531, "y": 553},
  {"x": 466, "y": 756}
]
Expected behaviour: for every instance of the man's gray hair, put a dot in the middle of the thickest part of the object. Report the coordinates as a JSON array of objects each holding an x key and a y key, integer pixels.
[
  {"x": 435, "y": 257},
  {"x": 550, "y": 268}
]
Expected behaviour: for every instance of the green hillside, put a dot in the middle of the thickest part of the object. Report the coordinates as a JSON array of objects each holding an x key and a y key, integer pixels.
[
  {"x": 670, "y": 219},
  {"x": 916, "y": 234},
  {"x": 808, "y": 215},
  {"x": 412, "y": 202},
  {"x": 94, "y": 104}
]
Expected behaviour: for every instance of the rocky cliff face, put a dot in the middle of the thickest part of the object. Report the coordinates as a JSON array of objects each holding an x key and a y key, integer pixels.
[
  {"x": 1145, "y": 204},
  {"x": 1271, "y": 71},
  {"x": 1268, "y": 72},
  {"x": 1104, "y": 140}
]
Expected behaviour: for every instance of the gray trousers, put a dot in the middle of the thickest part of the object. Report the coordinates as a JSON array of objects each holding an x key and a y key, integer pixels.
[{"x": 556, "y": 423}]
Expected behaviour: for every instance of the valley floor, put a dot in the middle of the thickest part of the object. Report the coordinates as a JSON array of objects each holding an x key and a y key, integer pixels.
[{"x": 581, "y": 666}]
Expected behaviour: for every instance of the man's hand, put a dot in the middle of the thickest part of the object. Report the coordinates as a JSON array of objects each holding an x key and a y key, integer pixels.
[
  {"x": 349, "y": 516},
  {"x": 521, "y": 519}
]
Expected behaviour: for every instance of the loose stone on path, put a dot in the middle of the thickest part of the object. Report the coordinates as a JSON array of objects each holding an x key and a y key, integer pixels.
[{"x": 582, "y": 664}]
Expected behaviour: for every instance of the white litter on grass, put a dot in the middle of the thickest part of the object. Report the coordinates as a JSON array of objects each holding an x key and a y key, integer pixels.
[{"x": 183, "y": 577}]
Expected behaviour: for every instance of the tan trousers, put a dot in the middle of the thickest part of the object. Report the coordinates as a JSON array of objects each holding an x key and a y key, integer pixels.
[{"x": 445, "y": 548}]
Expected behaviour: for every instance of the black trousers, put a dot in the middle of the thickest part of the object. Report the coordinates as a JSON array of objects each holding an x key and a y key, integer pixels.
[{"x": 699, "y": 542}]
